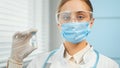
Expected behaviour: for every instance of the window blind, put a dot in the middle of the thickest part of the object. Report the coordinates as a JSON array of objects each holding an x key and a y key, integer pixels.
[{"x": 14, "y": 16}]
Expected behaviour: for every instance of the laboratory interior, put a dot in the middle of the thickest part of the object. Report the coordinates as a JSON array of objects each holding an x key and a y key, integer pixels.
[{"x": 18, "y": 15}]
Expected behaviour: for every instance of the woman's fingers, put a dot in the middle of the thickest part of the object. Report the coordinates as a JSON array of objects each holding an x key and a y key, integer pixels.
[{"x": 24, "y": 36}]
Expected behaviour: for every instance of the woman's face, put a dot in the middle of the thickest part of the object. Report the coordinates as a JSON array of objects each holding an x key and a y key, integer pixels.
[{"x": 75, "y": 11}]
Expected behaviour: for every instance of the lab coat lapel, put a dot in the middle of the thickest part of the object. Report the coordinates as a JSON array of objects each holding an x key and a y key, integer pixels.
[
  {"x": 57, "y": 56},
  {"x": 57, "y": 59},
  {"x": 60, "y": 54},
  {"x": 89, "y": 58},
  {"x": 48, "y": 65}
]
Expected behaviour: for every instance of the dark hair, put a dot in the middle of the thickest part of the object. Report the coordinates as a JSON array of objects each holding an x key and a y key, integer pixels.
[{"x": 62, "y": 2}]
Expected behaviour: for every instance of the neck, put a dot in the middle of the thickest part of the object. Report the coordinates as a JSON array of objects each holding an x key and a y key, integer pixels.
[{"x": 74, "y": 48}]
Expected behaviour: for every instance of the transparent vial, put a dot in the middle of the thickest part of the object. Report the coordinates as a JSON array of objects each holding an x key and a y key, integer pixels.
[{"x": 33, "y": 40}]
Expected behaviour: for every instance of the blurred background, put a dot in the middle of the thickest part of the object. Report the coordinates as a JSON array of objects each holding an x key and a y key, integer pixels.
[{"x": 15, "y": 15}]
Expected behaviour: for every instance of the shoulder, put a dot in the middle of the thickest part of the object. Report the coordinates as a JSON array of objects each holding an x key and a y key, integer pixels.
[
  {"x": 39, "y": 60},
  {"x": 106, "y": 62}
]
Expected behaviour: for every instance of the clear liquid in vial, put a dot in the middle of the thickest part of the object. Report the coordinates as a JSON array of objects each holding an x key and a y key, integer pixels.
[{"x": 33, "y": 40}]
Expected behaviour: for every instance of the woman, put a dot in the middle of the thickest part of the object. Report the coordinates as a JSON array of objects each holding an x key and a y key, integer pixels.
[{"x": 75, "y": 20}]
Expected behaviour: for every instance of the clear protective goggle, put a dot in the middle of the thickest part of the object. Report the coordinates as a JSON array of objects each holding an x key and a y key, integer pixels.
[{"x": 74, "y": 16}]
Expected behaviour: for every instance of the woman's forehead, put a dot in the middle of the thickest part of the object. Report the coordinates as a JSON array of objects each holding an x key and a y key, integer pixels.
[{"x": 75, "y": 5}]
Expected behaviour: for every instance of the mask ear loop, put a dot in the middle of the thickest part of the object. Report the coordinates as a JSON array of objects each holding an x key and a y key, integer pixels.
[
  {"x": 91, "y": 17},
  {"x": 56, "y": 16}
]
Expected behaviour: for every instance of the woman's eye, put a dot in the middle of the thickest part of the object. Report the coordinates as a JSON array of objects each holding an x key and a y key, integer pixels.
[
  {"x": 80, "y": 17},
  {"x": 66, "y": 18}
]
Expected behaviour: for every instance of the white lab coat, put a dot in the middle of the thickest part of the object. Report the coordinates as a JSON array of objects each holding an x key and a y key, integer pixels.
[{"x": 58, "y": 60}]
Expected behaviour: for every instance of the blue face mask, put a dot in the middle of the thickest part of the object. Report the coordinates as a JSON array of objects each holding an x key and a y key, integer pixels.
[{"x": 75, "y": 32}]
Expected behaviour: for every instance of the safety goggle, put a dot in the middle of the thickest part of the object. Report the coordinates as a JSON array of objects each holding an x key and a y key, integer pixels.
[{"x": 77, "y": 16}]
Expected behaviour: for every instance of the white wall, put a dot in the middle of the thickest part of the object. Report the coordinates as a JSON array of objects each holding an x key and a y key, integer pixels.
[{"x": 55, "y": 40}]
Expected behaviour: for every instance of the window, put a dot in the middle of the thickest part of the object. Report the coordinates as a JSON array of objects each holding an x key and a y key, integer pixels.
[{"x": 14, "y": 16}]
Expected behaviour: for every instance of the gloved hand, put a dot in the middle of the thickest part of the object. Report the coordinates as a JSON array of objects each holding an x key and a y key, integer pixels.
[{"x": 21, "y": 47}]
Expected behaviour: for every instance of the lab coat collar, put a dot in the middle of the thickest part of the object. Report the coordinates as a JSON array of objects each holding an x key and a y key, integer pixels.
[
  {"x": 78, "y": 57},
  {"x": 89, "y": 57},
  {"x": 59, "y": 55}
]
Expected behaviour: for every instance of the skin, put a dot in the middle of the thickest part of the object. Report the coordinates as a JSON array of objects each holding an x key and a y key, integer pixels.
[{"x": 75, "y": 5}]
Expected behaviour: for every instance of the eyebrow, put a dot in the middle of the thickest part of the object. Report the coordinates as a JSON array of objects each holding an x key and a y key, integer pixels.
[{"x": 80, "y": 12}]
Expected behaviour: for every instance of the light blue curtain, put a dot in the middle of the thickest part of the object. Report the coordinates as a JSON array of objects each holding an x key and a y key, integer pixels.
[{"x": 105, "y": 34}]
